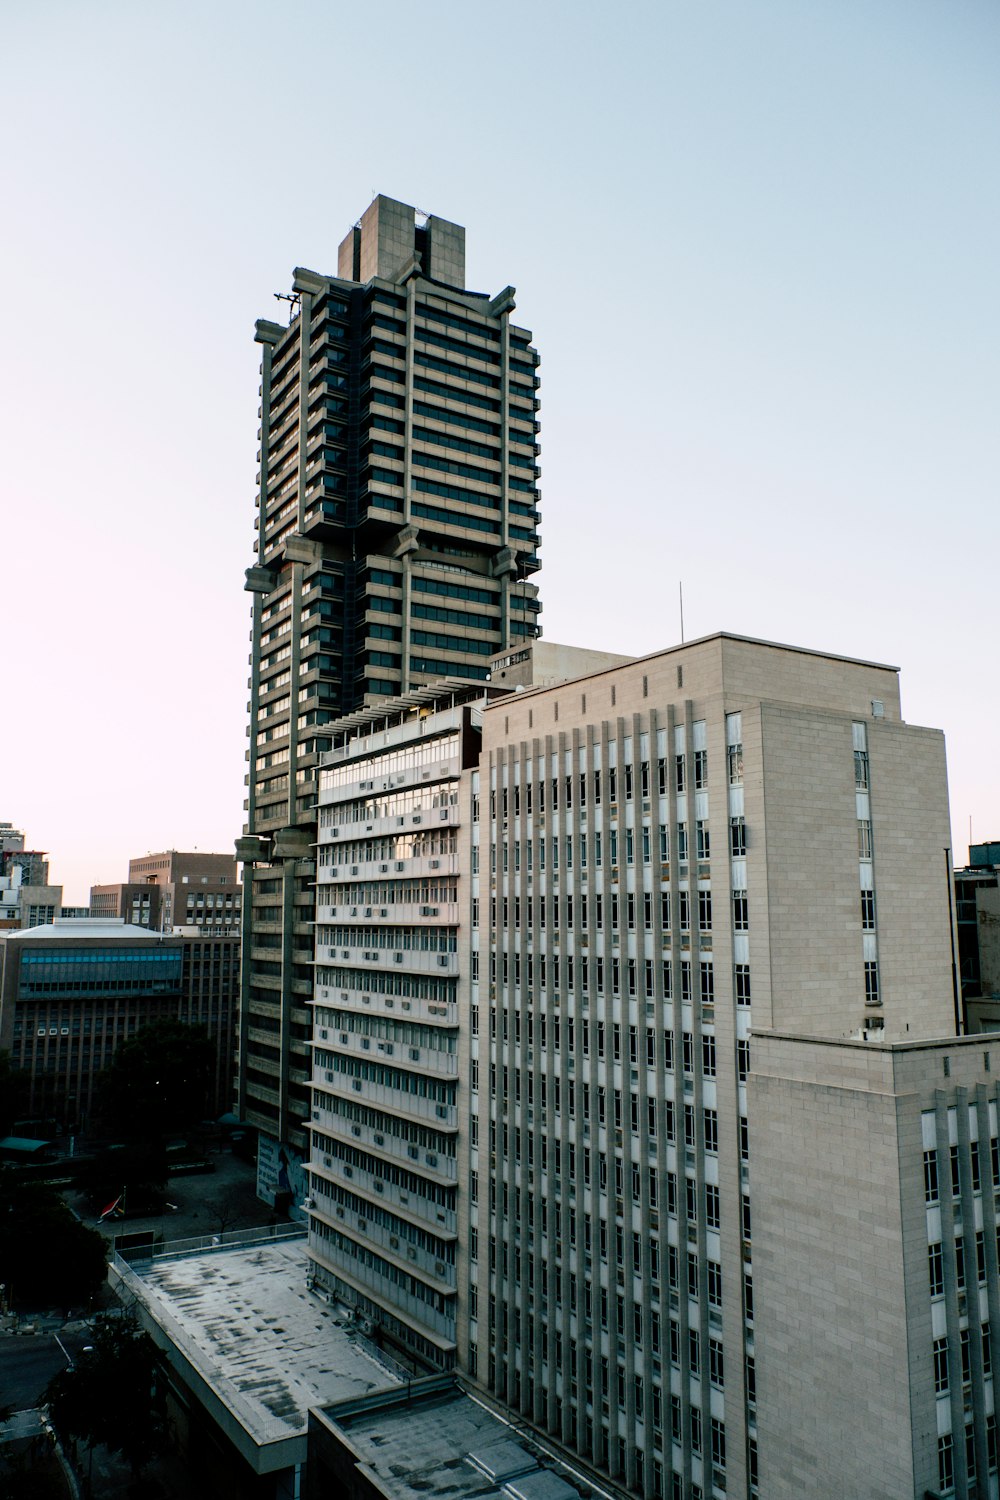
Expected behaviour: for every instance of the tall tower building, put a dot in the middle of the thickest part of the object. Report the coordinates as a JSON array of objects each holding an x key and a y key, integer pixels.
[{"x": 397, "y": 533}]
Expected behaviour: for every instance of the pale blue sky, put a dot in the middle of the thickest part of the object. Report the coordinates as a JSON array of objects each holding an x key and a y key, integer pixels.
[{"x": 757, "y": 242}]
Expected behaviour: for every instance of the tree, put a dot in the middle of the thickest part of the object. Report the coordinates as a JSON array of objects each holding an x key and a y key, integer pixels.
[
  {"x": 159, "y": 1081},
  {"x": 47, "y": 1257},
  {"x": 115, "y": 1394},
  {"x": 225, "y": 1208}
]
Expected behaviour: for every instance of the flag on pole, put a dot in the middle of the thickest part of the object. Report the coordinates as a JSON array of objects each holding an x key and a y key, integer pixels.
[{"x": 112, "y": 1208}]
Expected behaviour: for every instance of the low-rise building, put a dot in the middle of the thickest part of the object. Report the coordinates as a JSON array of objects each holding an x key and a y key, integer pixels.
[
  {"x": 175, "y": 890},
  {"x": 249, "y": 1350},
  {"x": 72, "y": 991}
]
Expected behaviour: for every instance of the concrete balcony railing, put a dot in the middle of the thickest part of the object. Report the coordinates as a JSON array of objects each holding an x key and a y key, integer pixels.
[
  {"x": 349, "y": 869},
  {"x": 424, "y": 913},
  {"x": 411, "y": 1205},
  {"x": 406, "y": 960},
  {"x": 436, "y": 1166},
  {"x": 388, "y": 1240},
  {"x": 424, "y": 1317},
  {"x": 428, "y": 1061},
  {"x": 392, "y": 1101},
  {"x": 391, "y": 823},
  {"x": 410, "y": 1008}
]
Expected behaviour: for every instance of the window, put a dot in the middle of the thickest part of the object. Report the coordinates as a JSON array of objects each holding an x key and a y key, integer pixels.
[
  {"x": 708, "y": 1055},
  {"x": 715, "y": 1363},
  {"x": 935, "y": 1265},
  {"x": 741, "y": 912},
  {"x": 700, "y": 769},
  {"x": 871, "y": 982},
  {"x": 861, "y": 770},
  {"x": 742, "y": 1058},
  {"x": 930, "y": 1177},
  {"x": 946, "y": 1464},
  {"x": 742, "y": 982},
  {"x": 679, "y": 778},
  {"x": 705, "y": 911},
  {"x": 718, "y": 1443},
  {"x": 711, "y": 1131},
  {"x": 737, "y": 837},
  {"x": 702, "y": 840},
  {"x": 868, "y": 911},
  {"x": 940, "y": 1366},
  {"x": 682, "y": 843},
  {"x": 864, "y": 838},
  {"x": 735, "y": 754},
  {"x": 712, "y": 1206},
  {"x": 714, "y": 1284}
]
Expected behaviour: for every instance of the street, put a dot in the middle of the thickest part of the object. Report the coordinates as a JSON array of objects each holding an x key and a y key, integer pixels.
[{"x": 29, "y": 1361}]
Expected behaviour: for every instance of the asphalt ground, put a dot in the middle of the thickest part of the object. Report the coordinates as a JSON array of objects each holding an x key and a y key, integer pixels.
[
  {"x": 203, "y": 1204},
  {"x": 28, "y": 1361},
  {"x": 42, "y": 1341}
]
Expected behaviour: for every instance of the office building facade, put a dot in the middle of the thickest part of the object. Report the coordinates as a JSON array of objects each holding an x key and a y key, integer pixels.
[
  {"x": 172, "y": 891},
  {"x": 383, "y": 1164},
  {"x": 73, "y": 990},
  {"x": 726, "y": 837},
  {"x": 70, "y": 993},
  {"x": 397, "y": 534},
  {"x": 977, "y": 913}
]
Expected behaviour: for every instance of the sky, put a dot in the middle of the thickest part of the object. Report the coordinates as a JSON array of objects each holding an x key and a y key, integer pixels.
[{"x": 757, "y": 243}]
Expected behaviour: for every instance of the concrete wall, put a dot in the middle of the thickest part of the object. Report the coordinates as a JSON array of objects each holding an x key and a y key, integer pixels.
[{"x": 831, "y": 1347}]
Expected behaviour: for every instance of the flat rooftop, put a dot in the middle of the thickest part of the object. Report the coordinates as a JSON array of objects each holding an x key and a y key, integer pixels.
[
  {"x": 238, "y": 1323},
  {"x": 434, "y": 1439}
]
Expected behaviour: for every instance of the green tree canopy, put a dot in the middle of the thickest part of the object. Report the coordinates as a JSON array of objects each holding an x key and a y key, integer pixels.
[
  {"x": 159, "y": 1082},
  {"x": 47, "y": 1257},
  {"x": 115, "y": 1394}
]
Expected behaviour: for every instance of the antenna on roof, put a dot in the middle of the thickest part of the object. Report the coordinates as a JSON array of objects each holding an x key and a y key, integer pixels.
[{"x": 680, "y": 590}]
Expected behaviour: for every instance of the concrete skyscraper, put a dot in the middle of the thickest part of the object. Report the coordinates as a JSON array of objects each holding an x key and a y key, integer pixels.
[{"x": 397, "y": 532}]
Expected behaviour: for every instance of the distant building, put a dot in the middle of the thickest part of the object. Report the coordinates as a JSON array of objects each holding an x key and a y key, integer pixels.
[
  {"x": 977, "y": 913},
  {"x": 10, "y": 837},
  {"x": 26, "y": 897},
  {"x": 173, "y": 890},
  {"x": 72, "y": 991}
]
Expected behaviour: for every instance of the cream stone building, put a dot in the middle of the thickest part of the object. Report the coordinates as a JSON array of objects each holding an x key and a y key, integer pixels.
[
  {"x": 638, "y": 1102},
  {"x": 675, "y": 855}
]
